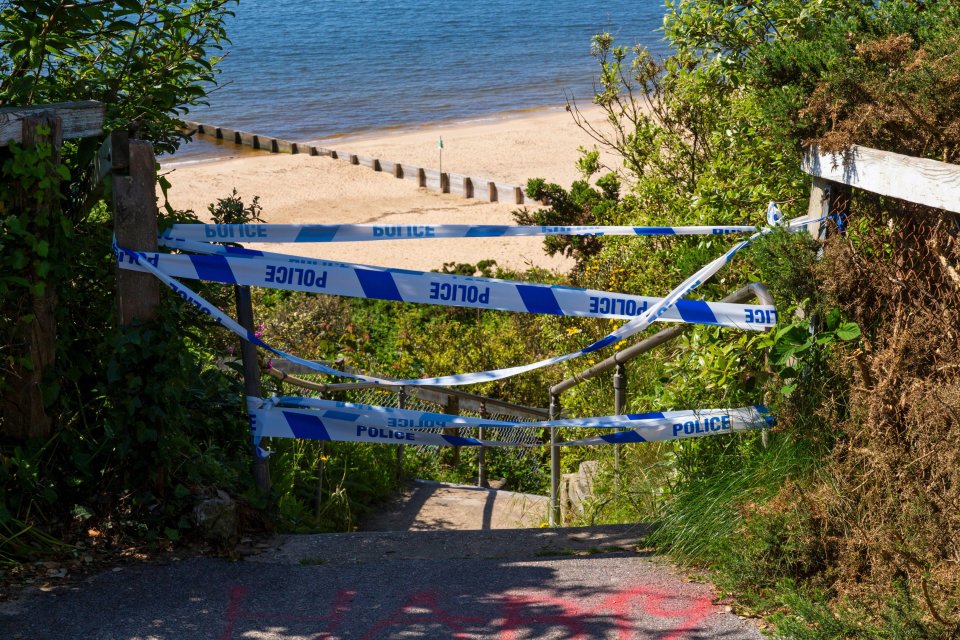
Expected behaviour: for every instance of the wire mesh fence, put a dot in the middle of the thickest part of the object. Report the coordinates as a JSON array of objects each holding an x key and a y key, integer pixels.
[
  {"x": 895, "y": 470},
  {"x": 407, "y": 398},
  {"x": 512, "y": 435}
]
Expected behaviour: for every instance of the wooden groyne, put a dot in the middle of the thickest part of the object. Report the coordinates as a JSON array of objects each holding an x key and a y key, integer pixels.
[{"x": 430, "y": 179}]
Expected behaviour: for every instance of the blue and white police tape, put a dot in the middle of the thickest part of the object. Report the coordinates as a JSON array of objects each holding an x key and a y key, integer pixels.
[
  {"x": 361, "y": 281},
  {"x": 390, "y": 417},
  {"x": 774, "y": 215},
  {"x": 626, "y": 330},
  {"x": 305, "y": 424},
  {"x": 368, "y": 232},
  {"x": 275, "y": 421},
  {"x": 697, "y": 425},
  {"x": 630, "y": 328},
  {"x": 192, "y": 298}
]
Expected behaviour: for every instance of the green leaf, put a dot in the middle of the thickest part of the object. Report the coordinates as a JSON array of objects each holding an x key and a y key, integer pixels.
[
  {"x": 848, "y": 331},
  {"x": 832, "y": 319}
]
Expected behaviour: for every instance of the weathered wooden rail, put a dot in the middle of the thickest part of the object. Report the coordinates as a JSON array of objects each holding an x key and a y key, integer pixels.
[
  {"x": 918, "y": 180},
  {"x": 430, "y": 179}
]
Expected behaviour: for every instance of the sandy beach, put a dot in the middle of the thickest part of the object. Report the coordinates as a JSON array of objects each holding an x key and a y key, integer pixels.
[{"x": 305, "y": 189}]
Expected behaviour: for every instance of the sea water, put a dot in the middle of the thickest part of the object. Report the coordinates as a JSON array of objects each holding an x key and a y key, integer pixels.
[{"x": 319, "y": 69}]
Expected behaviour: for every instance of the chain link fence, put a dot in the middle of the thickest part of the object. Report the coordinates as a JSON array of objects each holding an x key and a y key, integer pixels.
[
  {"x": 895, "y": 472},
  {"x": 527, "y": 456}
]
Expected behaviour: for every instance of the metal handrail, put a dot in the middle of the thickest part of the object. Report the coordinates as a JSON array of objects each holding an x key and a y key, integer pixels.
[
  {"x": 756, "y": 290},
  {"x": 617, "y": 361}
]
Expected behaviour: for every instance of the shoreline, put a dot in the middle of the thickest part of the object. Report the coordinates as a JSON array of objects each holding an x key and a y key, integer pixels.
[
  {"x": 232, "y": 150},
  {"x": 303, "y": 189}
]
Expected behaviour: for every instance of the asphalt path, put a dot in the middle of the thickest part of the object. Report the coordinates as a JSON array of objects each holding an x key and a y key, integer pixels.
[{"x": 510, "y": 584}]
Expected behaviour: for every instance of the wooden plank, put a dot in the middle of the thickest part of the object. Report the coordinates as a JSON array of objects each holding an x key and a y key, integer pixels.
[
  {"x": 431, "y": 179},
  {"x": 504, "y": 191},
  {"x": 284, "y": 146},
  {"x": 366, "y": 161},
  {"x": 819, "y": 206},
  {"x": 227, "y": 135},
  {"x": 456, "y": 183},
  {"x": 244, "y": 138},
  {"x": 389, "y": 167},
  {"x": 80, "y": 119},
  {"x": 927, "y": 182},
  {"x": 410, "y": 172},
  {"x": 265, "y": 143}
]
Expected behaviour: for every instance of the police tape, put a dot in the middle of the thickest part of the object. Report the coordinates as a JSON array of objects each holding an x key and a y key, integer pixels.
[
  {"x": 276, "y": 421},
  {"x": 390, "y": 417},
  {"x": 306, "y": 425},
  {"x": 372, "y": 232},
  {"x": 296, "y": 273},
  {"x": 630, "y": 328}
]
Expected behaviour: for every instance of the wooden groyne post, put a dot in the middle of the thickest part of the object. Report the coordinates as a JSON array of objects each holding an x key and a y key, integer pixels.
[{"x": 426, "y": 178}]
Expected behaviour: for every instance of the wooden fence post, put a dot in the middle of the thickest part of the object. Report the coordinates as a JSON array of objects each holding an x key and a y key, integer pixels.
[
  {"x": 251, "y": 377},
  {"x": 492, "y": 191},
  {"x": 21, "y": 405},
  {"x": 826, "y": 198},
  {"x": 135, "y": 224}
]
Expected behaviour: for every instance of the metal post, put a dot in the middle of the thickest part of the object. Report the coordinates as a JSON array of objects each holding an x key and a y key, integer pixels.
[
  {"x": 554, "y": 520},
  {"x": 619, "y": 405},
  {"x": 482, "y": 452},
  {"x": 251, "y": 377},
  {"x": 401, "y": 403},
  {"x": 452, "y": 407}
]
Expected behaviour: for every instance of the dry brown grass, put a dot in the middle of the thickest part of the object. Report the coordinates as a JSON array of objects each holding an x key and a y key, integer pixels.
[{"x": 891, "y": 492}]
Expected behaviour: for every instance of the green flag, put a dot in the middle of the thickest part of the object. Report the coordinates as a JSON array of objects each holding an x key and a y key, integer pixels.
[{"x": 440, "y": 143}]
